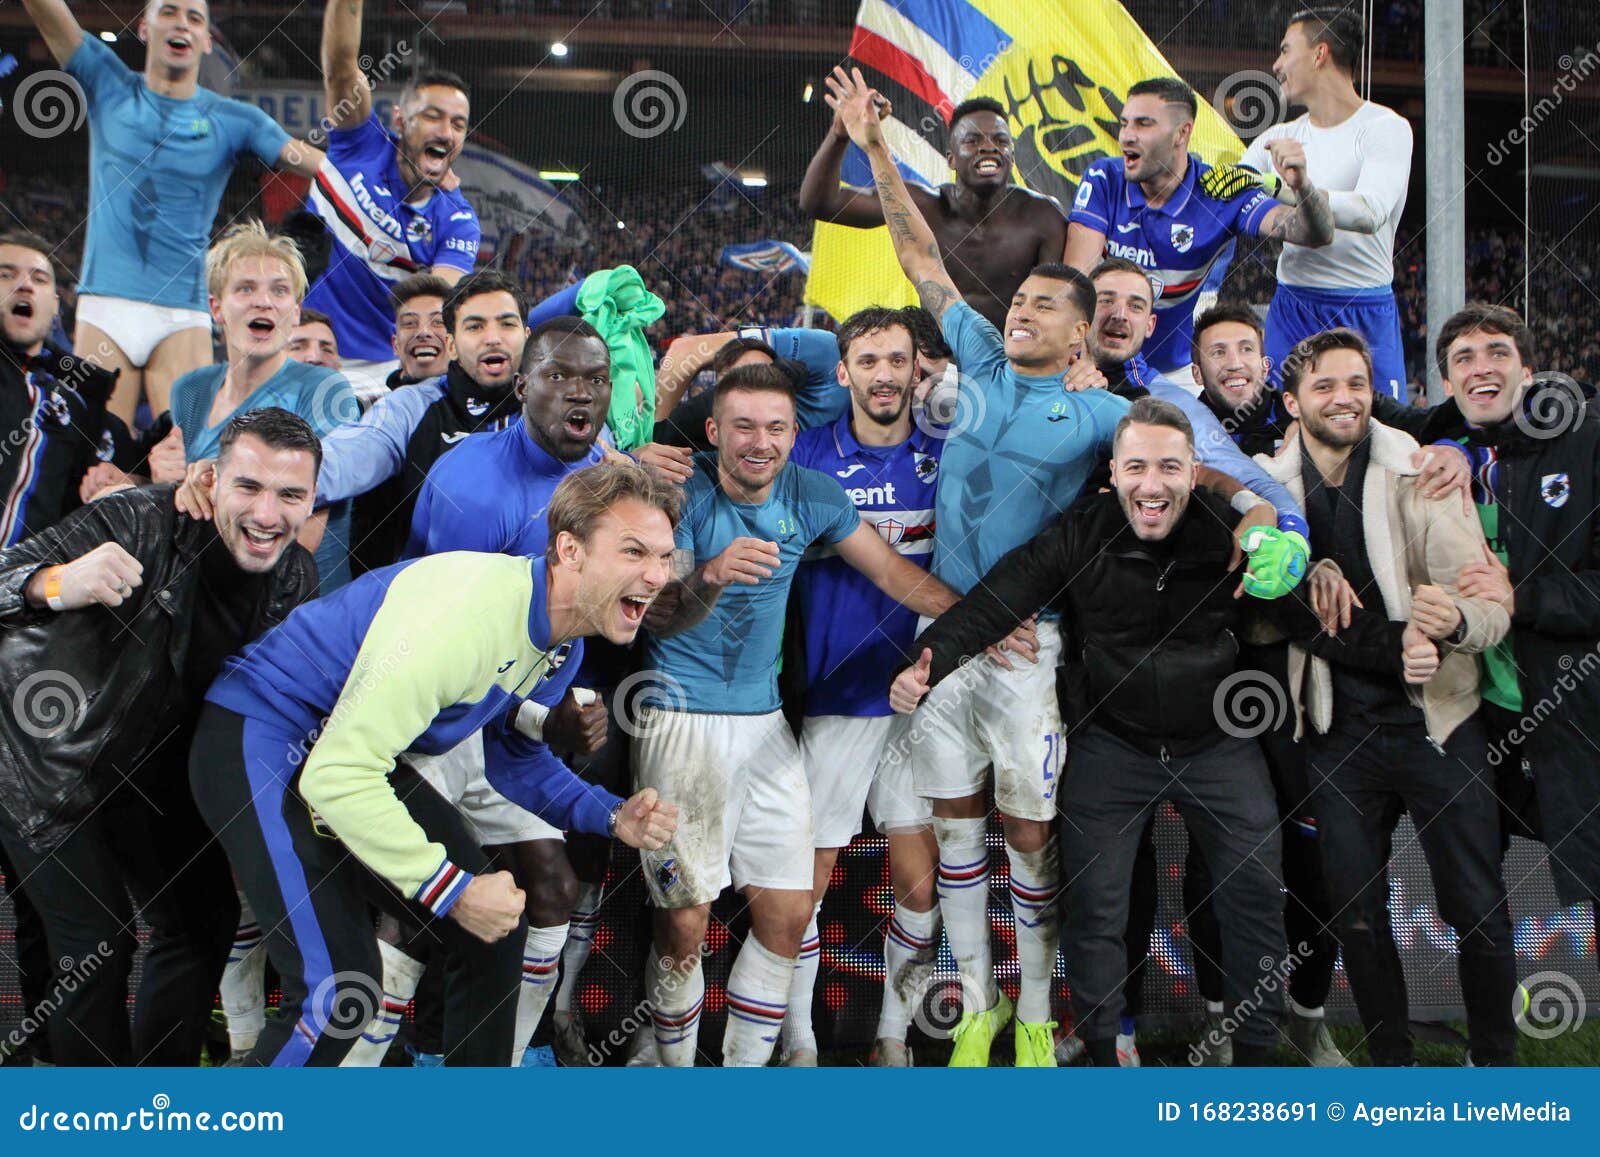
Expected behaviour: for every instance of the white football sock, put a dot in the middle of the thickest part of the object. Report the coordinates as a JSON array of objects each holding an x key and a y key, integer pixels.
[
  {"x": 964, "y": 903},
  {"x": 580, "y": 942},
  {"x": 798, "y": 1031},
  {"x": 243, "y": 987},
  {"x": 910, "y": 950},
  {"x": 1035, "y": 879},
  {"x": 541, "y": 956},
  {"x": 401, "y": 975},
  {"x": 677, "y": 997},
  {"x": 758, "y": 996}
]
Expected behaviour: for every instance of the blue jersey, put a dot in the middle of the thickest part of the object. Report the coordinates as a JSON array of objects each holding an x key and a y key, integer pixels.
[
  {"x": 157, "y": 168},
  {"x": 491, "y": 494},
  {"x": 727, "y": 664},
  {"x": 856, "y": 636},
  {"x": 1176, "y": 244},
  {"x": 822, "y": 399},
  {"x": 319, "y": 395},
  {"x": 378, "y": 239},
  {"x": 1022, "y": 458}
]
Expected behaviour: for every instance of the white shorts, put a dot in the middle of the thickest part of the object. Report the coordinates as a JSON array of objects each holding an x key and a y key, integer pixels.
[
  {"x": 458, "y": 776},
  {"x": 369, "y": 380},
  {"x": 745, "y": 809},
  {"x": 982, "y": 715},
  {"x": 853, "y": 762},
  {"x": 137, "y": 326}
]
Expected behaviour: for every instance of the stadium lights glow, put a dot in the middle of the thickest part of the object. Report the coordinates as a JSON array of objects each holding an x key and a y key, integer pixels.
[
  {"x": 753, "y": 182},
  {"x": 805, "y": 97},
  {"x": 620, "y": 225},
  {"x": 558, "y": 49},
  {"x": 109, "y": 37},
  {"x": 557, "y": 175}
]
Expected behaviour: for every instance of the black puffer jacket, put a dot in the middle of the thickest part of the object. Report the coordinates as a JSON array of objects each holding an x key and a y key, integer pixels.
[
  {"x": 1149, "y": 630},
  {"x": 71, "y": 679},
  {"x": 1547, "y": 481}
]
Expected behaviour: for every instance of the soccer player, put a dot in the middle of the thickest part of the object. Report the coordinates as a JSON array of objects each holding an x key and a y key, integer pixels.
[
  {"x": 295, "y": 764},
  {"x": 855, "y": 748},
  {"x": 129, "y": 608},
  {"x": 1142, "y": 580},
  {"x": 1536, "y": 483},
  {"x": 1390, "y": 713},
  {"x": 419, "y": 329},
  {"x": 1359, "y": 154},
  {"x": 161, "y": 149},
  {"x": 391, "y": 203},
  {"x": 817, "y": 402},
  {"x": 491, "y": 494},
  {"x": 256, "y": 282},
  {"x": 1144, "y": 206},
  {"x": 55, "y": 404},
  {"x": 710, "y": 731},
  {"x": 311, "y": 341},
  {"x": 991, "y": 231},
  {"x": 1018, "y": 454}
]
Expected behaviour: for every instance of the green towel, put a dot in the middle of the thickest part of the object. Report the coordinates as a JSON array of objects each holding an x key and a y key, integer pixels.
[{"x": 616, "y": 302}]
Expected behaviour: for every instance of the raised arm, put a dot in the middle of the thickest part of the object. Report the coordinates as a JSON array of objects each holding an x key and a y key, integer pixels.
[
  {"x": 685, "y": 357},
  {"x": 821, "y": 195},
  {"x": 914, "y": 242},
  {"x": 60, "y": 28},
  {"x": 1084, "y": 247},
  {"x": 346, "y": 95}
]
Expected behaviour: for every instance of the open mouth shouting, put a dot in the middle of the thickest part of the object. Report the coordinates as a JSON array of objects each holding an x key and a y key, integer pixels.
[
  {"x": 579, "y": 422},
  {"x": 261, "y": 327},
  {"x": 634, "y": 606},
  {"x": 261, "y": 545},
  {"x": 1115, "y": 334},
  {"x": 494, "y": 365},
  {"x": 989, "y": 167},
  {"x": 21, "y": 307},
  {"x": 1150, "y": 511}
]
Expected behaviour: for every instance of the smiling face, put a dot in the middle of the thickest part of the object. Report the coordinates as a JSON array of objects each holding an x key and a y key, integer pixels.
[
  {"x": 1486, "y": 376},
  {"x": 879, "y": 372},
  {"x": 176, "y": 33},
  {"x": 1334, "y": 399},
  {"x": 432, "y": 127},
  {"x": 258, "y": 308},
  {"x": 1154, "y": 137},
  {"x": 753, "y": 431},
  {"x": 313, "y": 343},
  {"x": 620, "y": 568},
  {"x": 567, "y": 393},
  {"x": 1152, "y": 468},
  {"x": 981, "y": 151},
  {"x": 419, "y": 338},
  {"x": 1043, "y": 326},
  {"x": 28, "y": 298},
  {"x": 1231, "y": 368},
  {"x": 263, "y": 496},
  {"x": 1124, "y": 316},
  {"x": 1296, "y": 65},
  {"x": 488, "y": 341}
]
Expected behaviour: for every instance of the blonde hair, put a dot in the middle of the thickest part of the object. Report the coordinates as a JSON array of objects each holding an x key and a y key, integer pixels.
[
  {"x": 584, "y": 495},
  {"x": 250, "y": 239}
]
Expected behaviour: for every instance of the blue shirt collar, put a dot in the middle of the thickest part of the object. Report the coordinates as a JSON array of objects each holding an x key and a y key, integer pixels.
[{"x": 844, "y": 438}]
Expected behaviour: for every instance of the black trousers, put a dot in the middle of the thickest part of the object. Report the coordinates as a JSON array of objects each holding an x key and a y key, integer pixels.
[
  {"x": 145, "y": 840},
  {"x": 33, "y": 966},
  {"x": 1363, "y": 779},
  {"x": 315, "y": 900},
  {"x": 1110, "y": 791}
]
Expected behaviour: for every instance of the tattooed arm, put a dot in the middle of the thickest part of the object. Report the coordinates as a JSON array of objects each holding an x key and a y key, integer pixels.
[
  {"x": 1310, "y": 221},
  {"x": 859, "y": 109}
]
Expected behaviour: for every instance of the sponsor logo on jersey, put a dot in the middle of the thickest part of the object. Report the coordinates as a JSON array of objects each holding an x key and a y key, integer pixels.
[
  {"x": 872, "y": 495},
  {"x": 1128, "y": 228},
  {"x": 461, "y": 215},
  {"x": 1555, "y": 489},
  {"x": 419, "y": 230},
  {"x": 1137, "y": 254},
  {"x": 476, "y": 407},
  {"x": 1182, "y": 236},
  {"x": 504, "y": 667},
  {"x": 850, "y": 469},
  {"x": 1081, "y": 201},
  {"x": 375, "y": 213},
  {"x": 927, "y": 466},
  {"x": 893, "y": 530},
  {"x": 1058, "y": 417},
  {"x": 452, "y": 439}
]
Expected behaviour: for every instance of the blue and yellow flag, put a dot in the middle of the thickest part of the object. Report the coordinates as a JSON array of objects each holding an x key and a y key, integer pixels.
[{"x": 1060, "y": 68}]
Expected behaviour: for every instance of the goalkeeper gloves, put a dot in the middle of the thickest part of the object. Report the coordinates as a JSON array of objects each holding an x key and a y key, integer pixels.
[
  {"x": 1225, "y": 182},
  {"x": 1276, "y": 561}
]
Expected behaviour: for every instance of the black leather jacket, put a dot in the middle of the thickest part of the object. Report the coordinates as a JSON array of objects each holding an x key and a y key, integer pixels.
[{"x": 72, "y": 679}]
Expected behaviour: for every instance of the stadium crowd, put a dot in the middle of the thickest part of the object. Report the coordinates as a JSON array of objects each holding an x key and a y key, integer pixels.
[{"x": 359, "y": 643}]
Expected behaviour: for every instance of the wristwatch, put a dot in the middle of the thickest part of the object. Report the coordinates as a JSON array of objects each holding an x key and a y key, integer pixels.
[{"x": 611, "y": 820}]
